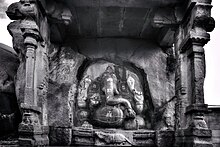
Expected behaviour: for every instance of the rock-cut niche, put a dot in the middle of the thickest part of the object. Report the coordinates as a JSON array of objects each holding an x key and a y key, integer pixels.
[{"x": 113, "y": 96}]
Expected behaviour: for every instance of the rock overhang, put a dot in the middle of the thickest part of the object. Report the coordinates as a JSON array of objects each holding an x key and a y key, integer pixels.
[{"x": 139, "y": 19}]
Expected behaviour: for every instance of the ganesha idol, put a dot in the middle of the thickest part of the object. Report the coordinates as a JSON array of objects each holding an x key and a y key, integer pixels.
[{"x": 111, "y": 101}]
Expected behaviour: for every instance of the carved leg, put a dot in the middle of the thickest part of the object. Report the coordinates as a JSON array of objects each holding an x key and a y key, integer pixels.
[{"x": 118, "y": 100}]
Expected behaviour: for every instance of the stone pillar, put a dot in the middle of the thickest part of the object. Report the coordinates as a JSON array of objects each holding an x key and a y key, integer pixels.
[
  {"x": 191, "y": 38},
  {"x": 30, "y": 130},
  {"x": 31, "y": 36},
  {"x": 30, "y": 41}
]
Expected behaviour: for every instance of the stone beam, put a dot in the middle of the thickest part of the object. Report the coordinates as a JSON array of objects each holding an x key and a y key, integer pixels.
[
  {"x": 167, "y": 19},
  {"x": 124, "y": 3}
]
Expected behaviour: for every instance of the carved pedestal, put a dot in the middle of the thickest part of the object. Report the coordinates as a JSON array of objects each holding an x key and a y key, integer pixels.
[
  {"x": 113, "y": 137},
  {"x": 32, "y": 133}
]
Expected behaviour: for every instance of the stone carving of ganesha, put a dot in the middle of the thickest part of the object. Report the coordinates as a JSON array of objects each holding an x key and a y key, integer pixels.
[{"x": 111, "y": 101}]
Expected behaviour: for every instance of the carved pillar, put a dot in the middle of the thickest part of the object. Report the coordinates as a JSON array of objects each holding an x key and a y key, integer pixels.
[
  {"x": 191, "y": 38},
  {"x": 31, "y": 37},
  {"x": 30, "y": 40},
  {"x": 30, "y": 128}
]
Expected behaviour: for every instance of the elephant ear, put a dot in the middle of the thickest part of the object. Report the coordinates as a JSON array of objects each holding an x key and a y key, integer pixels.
[{"x": 9, "y": 61}]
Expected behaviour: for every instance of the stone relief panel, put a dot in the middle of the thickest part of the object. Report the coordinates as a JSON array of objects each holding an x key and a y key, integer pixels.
[
  {"x": 144, "y": 55},
  {"x": 110, "y": 96}
]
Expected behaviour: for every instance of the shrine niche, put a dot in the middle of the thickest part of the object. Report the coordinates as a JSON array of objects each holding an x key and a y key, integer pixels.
[{"x": 111, "y": 96}]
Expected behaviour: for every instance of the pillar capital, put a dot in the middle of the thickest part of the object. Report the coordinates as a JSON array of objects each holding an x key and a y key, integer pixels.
[
  {"x": 29, "y": 8},
  {"x": 195, "y": 39},
  {"x": 30, "y": 32}
]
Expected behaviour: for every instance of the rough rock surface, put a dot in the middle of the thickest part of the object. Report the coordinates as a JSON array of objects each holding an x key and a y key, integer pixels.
[
  {"x": 9, "y": 113},
  {"x": 64, "y": 63},
  {"x": 62, "y": 80}
]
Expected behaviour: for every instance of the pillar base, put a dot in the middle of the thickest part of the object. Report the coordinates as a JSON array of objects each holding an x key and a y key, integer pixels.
[
  {"x": 196, "y": 133},
  {"x": 192, "y": 137},
  {"x": 33, "y": 135},
  {"x": 31, "y": 132}
]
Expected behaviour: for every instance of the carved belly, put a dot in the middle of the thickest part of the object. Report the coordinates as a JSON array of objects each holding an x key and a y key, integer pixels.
[{"x": 109, "y": 116}]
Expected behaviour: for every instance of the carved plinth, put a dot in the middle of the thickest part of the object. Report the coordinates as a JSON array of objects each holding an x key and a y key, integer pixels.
[
  {"x": 144, "y": 138},
  {"x": 31, "y": 133},
  {"x": 192, "y": 137},
  {"x": 83, "y": 137},
  {"x": 112, "y": 137}
]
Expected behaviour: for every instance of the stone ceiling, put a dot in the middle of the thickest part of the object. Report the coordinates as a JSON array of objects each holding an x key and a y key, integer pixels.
[{"x": 115, "y": 18}]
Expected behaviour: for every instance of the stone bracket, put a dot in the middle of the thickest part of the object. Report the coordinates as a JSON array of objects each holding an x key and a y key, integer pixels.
[{"x": 58, "y": 13}]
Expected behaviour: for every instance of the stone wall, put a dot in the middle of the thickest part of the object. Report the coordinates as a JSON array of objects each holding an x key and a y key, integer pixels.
[
  {"x": 63, "y": 66},
  {"x": 213, "y": 121}
]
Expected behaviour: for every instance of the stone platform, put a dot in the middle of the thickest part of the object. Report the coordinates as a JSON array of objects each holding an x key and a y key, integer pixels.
[{"x": 113, "y": 137}]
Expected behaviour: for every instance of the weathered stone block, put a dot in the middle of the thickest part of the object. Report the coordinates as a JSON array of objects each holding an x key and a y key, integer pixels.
[
  {"x": 60, "y": 136},
  {"x": 165, "y": 138}
]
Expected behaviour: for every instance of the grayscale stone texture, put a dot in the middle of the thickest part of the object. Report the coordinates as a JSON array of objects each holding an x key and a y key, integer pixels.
[{"x": 107, "y": 73}]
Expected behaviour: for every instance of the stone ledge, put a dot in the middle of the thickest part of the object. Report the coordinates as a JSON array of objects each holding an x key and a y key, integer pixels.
[
  {"x": 196, "y": 108},
  {"x": 198, "y": 132},
  {"x": 137, "y": 137},
  {"x": 11, "y": 143},
  {"x": 31, "y": 107}
]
